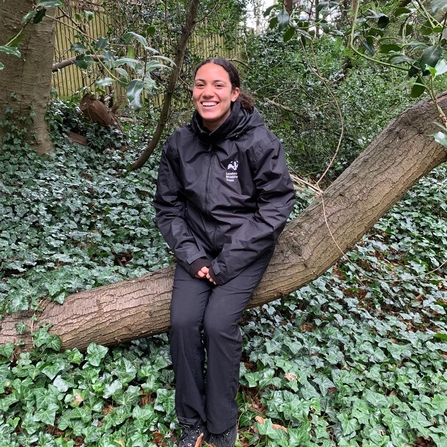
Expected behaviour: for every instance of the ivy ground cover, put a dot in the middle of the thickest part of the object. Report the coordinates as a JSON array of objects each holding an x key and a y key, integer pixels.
[{"x": 356, "y": 358}]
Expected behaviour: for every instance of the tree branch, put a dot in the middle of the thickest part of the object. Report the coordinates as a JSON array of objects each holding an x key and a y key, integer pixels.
[{"x": 187, "y": 30}]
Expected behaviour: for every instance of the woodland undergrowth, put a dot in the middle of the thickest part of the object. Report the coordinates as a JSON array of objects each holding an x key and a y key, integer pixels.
[{"x": 358, "y": 357}]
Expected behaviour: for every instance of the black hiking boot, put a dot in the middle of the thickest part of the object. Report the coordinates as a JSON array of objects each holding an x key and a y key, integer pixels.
[
  {"x": 191, "y": 433},
  {"x": 225, "y": 439}
]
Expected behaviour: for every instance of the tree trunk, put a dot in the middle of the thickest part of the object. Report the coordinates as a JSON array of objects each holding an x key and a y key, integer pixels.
[
  {"x": 25, "y": 83},
  {"x": 310, "y": 244}
]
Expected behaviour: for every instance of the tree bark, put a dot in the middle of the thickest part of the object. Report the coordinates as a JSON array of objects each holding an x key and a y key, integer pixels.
[
  {"x": 24, "y": 88},
  {"x": 310, "y": 244}
]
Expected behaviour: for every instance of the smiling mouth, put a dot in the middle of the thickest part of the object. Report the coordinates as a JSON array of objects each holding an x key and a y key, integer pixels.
[{"x": 209, "y": 104}]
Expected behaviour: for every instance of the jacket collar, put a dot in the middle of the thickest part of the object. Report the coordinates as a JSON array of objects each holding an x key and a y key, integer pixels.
[{"x": 232, "y": 127}]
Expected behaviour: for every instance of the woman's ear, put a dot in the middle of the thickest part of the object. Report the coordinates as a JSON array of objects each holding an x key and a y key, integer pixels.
[{"x": 235, "y": 93}]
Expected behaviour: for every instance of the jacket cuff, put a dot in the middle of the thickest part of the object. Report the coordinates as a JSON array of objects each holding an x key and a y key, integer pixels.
[
  {"x": 216, "y": 279},
  {"x": 196, "y": 265}
]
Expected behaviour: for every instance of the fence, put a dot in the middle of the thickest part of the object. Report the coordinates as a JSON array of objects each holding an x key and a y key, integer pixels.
[{"x": 76, "y": 23}]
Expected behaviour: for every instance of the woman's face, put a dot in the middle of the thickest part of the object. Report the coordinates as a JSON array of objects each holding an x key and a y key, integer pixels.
[{"x": 213, "y": 94}]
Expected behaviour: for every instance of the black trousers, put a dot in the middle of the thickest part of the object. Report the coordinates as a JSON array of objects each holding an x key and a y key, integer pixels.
[{"x": 204, "y": 329}]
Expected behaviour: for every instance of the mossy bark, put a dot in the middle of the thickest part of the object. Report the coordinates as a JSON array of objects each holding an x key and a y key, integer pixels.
[{"x": 25, "y": 83}]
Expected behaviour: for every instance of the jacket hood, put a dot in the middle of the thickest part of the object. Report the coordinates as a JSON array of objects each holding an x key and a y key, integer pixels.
[{"x": 238, "y": 122}]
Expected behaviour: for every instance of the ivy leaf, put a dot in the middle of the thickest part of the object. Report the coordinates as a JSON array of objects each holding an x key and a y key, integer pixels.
[
  {"x": 112, "y": 388},
  {"x": 349, "y": 424},
  {"x": 47, "y": 415},
  {"x": 376, "y": 399},
  {"x": 42, "y": 338},
  {"x": 96, "y": 353}
]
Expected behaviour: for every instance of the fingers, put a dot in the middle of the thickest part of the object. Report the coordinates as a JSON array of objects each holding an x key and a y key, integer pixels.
[
  {"x": 210, "y": 279},
  {"x": 204, "y": 273}
]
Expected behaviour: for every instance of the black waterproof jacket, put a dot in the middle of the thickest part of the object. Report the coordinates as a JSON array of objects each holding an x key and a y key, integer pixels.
[{"x": 223, "y": 197}]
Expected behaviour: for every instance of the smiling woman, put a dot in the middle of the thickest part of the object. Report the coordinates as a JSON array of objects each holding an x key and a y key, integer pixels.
[
  {"x": 223, "y": 197},
  {"x": 213, "y": 94}
]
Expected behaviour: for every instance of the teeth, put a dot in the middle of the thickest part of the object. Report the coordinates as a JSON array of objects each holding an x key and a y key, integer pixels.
[{"x": 208, "y": 104}]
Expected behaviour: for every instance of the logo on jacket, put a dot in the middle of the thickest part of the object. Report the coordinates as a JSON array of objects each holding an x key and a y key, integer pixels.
[{"x": 231, "y": 175}]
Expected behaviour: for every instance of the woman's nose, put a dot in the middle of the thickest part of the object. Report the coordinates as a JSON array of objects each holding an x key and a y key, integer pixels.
[{"x": 208, "y": 91}]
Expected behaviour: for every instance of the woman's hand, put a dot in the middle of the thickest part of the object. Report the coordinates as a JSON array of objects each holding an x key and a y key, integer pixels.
[{"x": 204, "y": 273}]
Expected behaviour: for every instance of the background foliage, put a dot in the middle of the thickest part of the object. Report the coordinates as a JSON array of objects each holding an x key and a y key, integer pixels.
[{"x": 358, "y": 357}]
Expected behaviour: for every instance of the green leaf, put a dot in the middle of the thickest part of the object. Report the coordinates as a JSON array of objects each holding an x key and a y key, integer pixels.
[
  {"x": 10, "y": 50},
  {"x": 269, "y": 10},
  {"x": 376, "y": 399},
  {"x": 40, "y": 14},
  {"x": 132, "y": 63},
  {"x": 442, "y": 141},
  {"x": 134, "y": 90},
  {"x": 50, "y": 3},
  {"x": 283, "y": 20},
  {"x": 78, "y": 48},
  {"x": 430, "y": 56},
  {"x": 96, "y": 353},
  {"x": 42, "y": 338},
  {"x": 102, "y": 43},
  {"x": 7, "y": 350},
  {"x": 349, "y": 424},
  {"x": 122, "y": 72},
  {"x": 417, "y": 90},
  {"x": 403, "y": 11},
  {"x": 47, "y": 415},
  {"x": 29, "y": 16},
  {"x": 84, "y": 61},
  {"x": 390, "y": 47},
  {"x": 112, "y": 388},
  {"x": 138, "y": 37},
  {"x": 289, "y": 34},
  {"x": 104, "y": 82},
  {"x": 395, "y": 60}
]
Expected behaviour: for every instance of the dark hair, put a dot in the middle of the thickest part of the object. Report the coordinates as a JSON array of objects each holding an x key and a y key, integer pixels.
[{"x": 246, "y": 100}]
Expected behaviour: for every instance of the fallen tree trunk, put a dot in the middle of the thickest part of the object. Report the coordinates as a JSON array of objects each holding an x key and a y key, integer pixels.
[{"x": 311, "y": 243}]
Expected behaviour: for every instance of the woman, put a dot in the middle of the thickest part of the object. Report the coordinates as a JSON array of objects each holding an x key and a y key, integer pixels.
[{"x": 223, "y": 197}]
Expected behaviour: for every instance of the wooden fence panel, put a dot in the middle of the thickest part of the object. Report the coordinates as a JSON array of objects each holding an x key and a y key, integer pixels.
[{"x": 91, "y": 22}]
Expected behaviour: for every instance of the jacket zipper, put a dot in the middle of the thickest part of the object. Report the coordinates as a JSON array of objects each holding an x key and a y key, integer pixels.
[{"x": 207, "y": 186}]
